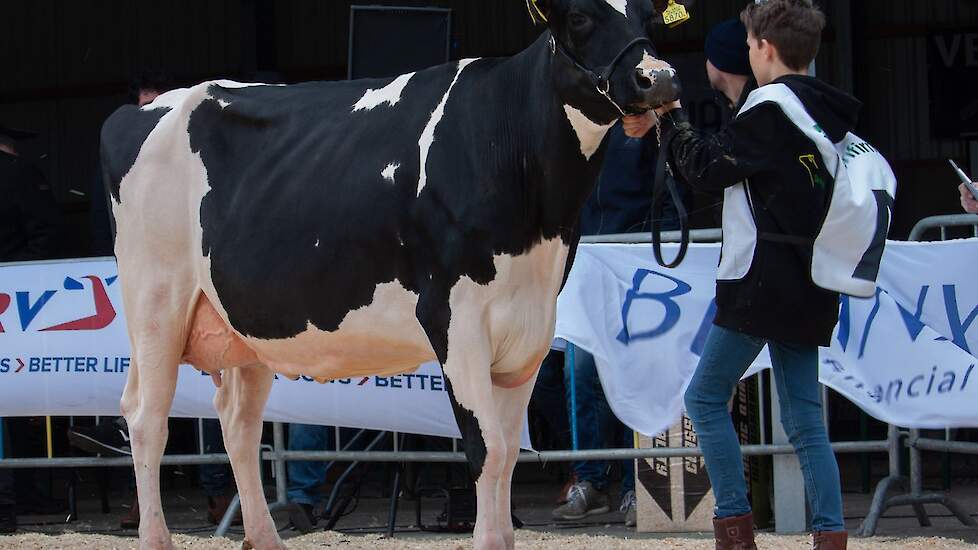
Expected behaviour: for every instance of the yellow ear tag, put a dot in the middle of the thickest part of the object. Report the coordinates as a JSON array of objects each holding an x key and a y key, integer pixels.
[{"x": 675, "y": 14}]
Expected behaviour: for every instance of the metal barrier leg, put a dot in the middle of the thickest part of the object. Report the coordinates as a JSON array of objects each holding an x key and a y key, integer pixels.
[
  {"x": 395, "y": 497},
  {"x": 222, "y": 528},
  {"x": 334, "y": 514},
  {"x": 917, "y": 483},
  {"x": 879, "y": 505},
  {"x": 281, "y": 478},
  {"x": 916, "y": 498}
]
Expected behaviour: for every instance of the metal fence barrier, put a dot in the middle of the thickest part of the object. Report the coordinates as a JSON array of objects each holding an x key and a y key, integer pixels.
[
  {"x": 539, "y": 457},
  {"x": 279, "y": 456},
  {"x": 916, "y": 497},
  {"x": 943, "y": 223}
]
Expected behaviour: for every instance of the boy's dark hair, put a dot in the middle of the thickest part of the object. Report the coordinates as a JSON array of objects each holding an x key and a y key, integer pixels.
[
  {"x": 793, "y": 26},
  {"x": 149, "y": 79}
]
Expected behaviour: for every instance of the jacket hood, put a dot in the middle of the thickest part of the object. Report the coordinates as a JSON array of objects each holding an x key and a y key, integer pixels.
[{"x": 835, "y": 111}]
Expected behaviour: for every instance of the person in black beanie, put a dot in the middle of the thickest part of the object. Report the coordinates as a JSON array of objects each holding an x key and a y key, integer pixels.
[{"x": 728, "y": 64}]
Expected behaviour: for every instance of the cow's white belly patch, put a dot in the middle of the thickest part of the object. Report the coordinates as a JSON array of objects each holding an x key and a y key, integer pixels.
[
  {"x": 518, "y": 310},
  {"x": 389, "y": 94},
  {"x": 381, "y": 338}
]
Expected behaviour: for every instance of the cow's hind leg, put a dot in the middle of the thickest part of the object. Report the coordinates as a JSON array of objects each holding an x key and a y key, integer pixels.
[
  {"x": 240, "y": 402},
  {"x": 157, "y": 338},
  {"x": 511, "y": 406}
]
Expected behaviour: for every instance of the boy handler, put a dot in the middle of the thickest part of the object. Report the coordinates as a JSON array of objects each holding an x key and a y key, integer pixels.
[{"x": 765, "y": 293}]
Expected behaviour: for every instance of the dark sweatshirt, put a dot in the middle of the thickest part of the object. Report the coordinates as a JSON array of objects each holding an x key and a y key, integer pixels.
[
  {"x": 776, "y": 300},
  {"x": 622, "y": 199},
  {"x": 28, "y": 214}
]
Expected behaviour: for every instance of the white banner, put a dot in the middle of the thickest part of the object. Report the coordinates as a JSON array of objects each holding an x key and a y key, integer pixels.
[
  {"x": 64, "y": 351},
  {"x": 904, "y": 357}
]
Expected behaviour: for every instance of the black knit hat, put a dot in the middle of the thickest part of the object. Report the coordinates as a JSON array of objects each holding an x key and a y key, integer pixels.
[{"x": 726, "y": 47}]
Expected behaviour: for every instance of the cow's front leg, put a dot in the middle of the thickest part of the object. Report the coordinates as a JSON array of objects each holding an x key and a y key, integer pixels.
[
  {"x": 470, "y": 389},
  {"x": 461, "y": 343},
  {"x": 511, "y": 406},
  {"x": 240, "y": 402}
]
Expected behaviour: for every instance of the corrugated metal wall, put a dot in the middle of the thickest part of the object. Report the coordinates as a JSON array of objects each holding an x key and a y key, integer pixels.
[
  {"x": 892, "y": 79},
  {"x": 67, "y": 64}
]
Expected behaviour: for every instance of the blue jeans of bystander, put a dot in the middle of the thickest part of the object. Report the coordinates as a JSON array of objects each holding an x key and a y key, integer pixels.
[
  {"x": 595, "y": 421},
  {"x": 306, "y": 477}
]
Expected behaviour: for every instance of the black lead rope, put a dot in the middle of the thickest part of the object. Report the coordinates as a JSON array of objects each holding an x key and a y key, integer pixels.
[{"x": 664, "y": 180}]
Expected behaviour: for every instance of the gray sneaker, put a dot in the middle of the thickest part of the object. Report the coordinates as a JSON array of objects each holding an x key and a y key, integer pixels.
[
  {"x": 628, "y": 506},
  {"x": 582, "y": 500}
]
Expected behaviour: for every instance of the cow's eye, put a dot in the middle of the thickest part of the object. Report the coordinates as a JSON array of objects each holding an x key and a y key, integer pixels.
[{"x": 578, "y": 21}]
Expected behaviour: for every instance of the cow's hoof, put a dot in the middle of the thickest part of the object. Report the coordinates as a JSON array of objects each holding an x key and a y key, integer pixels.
[
  {"x": 490, "y": 541},
  {"x": 247, "y": 545}
]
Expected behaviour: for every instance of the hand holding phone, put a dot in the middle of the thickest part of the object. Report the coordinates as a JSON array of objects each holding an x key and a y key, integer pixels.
[{"x": 965, "y": 180}]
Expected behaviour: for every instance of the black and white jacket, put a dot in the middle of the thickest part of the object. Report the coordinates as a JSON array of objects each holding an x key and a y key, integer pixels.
[{"x": 776, "y": 176}]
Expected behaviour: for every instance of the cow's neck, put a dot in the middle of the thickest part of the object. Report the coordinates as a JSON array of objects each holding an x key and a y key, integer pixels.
[{"x": 566, "y": 146}]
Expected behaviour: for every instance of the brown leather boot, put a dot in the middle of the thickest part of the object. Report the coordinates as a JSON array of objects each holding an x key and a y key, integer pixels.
[
  {"x": 830, "y": 540},
  {"x": 131, "y": 520},
  {"x": 735, "y": 533}
]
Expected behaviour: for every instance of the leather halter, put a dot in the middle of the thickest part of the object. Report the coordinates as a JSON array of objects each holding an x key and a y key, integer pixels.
[{"x": 600, "y": 78}]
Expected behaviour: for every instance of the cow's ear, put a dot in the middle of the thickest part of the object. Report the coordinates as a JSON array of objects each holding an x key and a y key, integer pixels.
[
  {"x": 539, "y": 11},
  {"x": 662, "y": 10}
]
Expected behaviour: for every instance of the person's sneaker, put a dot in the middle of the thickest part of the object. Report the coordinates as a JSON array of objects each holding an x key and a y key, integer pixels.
[
  {"x": 8, "y": 520},
  {"x": 628, "y": 505},
  {"x": 582, "y": 500},
  {"x": 303, "y": 517},
  {"x": 111, "y": 438}
]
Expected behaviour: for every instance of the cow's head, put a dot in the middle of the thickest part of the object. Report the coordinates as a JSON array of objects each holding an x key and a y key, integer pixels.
[{"x": 604, "y": 63}]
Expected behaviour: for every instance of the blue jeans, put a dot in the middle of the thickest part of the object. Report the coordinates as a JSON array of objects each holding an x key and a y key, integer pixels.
[
  {"x": 305, "y": 478},
  {"x": 726, "y": 358},
  {"x": 595, "y": 421}
]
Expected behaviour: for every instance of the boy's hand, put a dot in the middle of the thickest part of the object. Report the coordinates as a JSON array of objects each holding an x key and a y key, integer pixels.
[
  {"x": 636, "y": 126},
  {"x": 668, "y": 107},
  {"x": 968, "y": 201}
]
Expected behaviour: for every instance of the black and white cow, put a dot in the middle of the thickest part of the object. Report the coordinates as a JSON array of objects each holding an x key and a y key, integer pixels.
[{"x": 339, "y": 229}]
